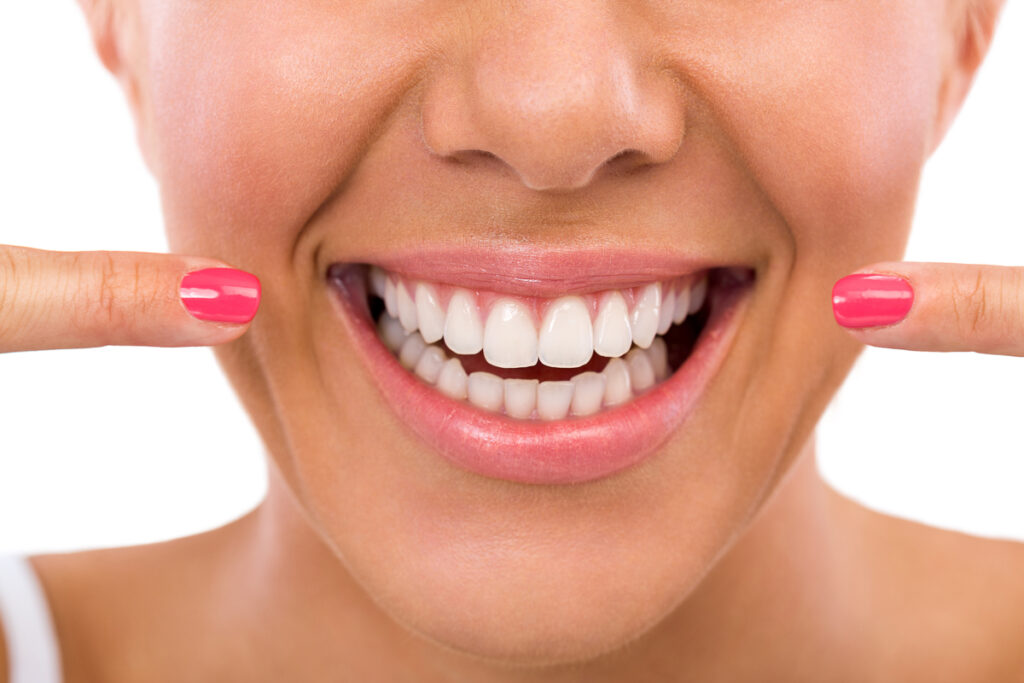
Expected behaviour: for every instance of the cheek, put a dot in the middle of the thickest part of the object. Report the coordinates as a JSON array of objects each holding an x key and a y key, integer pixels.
[
  {"x": 847, "y": 116},
  {"x": 259, "y": 113},
  {"x": 830, "y": 106}
]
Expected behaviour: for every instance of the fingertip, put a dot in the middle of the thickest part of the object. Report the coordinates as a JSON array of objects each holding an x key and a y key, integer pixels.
[
  {"x": 217, "y": 333},
  {"x": 221, "y": 295},
  {"x": 863, "y": 300}
]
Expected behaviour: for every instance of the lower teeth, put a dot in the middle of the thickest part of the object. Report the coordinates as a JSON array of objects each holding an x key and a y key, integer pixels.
[{"x": 583, "y": 394}]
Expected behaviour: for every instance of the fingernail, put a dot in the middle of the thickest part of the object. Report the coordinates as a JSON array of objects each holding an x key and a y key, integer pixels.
[
  {"x": 223, "y": 295},
  {"x": 867, "y": 300}
]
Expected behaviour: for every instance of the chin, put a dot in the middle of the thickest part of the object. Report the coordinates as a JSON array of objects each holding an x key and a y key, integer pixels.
[{"x": 540, "y": 609}]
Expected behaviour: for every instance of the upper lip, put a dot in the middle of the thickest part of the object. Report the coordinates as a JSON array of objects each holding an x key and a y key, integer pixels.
[{"x": 538, "y": 272}]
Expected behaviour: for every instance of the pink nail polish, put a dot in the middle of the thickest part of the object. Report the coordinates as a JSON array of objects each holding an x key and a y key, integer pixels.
[
  {"x": 867, "y": 300},
  {"x": 222, "y": 295}
]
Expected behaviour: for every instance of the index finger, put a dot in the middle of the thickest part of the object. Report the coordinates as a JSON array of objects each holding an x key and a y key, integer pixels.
[
  {"x": 55, "y": 299},
  {"x": 934, "y": 307}
]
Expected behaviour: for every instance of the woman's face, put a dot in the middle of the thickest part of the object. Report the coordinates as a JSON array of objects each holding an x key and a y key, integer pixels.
[{"x": 537, "y": 149}]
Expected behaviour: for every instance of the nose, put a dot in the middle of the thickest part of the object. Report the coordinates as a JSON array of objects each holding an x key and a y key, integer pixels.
[{"x": 558, "y": 92}]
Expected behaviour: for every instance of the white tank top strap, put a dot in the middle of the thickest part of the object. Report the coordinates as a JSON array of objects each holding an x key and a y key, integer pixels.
[{"x": 32, "y": 649}]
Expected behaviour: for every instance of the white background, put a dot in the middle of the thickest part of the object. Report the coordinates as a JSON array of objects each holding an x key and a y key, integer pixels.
[{"x": 117, "y": 446}]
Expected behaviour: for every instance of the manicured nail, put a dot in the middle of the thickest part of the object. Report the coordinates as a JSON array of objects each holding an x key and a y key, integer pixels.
[
  {"x": 222, "y": 295},
  {"x": 867, "y": 300}
]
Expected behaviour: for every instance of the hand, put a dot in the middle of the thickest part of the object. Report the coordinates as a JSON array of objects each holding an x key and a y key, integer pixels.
[
  {"x": 60, "y": 300},
  {"x": 934, "y": 307}
]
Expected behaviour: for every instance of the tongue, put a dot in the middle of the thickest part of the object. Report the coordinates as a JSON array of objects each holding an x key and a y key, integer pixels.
[{"x": 477, "y": 363}]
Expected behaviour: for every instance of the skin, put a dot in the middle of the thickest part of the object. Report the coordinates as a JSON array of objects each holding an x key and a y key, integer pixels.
[{"x": 288, "y": 136}]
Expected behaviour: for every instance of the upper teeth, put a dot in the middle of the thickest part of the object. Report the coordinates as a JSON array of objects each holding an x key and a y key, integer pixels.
[{"x": 571, "y": 328}]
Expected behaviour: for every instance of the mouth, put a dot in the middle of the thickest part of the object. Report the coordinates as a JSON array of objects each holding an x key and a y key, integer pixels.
[{"x": 563, "y": 387}]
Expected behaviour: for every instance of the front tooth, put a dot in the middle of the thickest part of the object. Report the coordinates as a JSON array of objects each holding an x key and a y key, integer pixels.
[
  {"x": 463, "y": 332},
  {"x": 406, "y": 308},
  {"x": 391, "y": 298},
  {"x": 391, "y": 332},
  {"x": 429, "y": 314},
  {"x": 486, "y": 391},
  {"x": 428, "y": 367},
  {"x": 617, "y": 387},
  {"x": 645, "y": 315},
  {"x": 668, "y": 307},
  {"x": 520, "y": 397},
  {"x": 411, "y": 351},
  {"x": 566, "y": 336},
  {"x": 658, "y": 355},
  {"x": 553, "y": 400},
  {"x": 697, "y": 293},
  {"x": 452, "y": 381},
  {"x": 612, "y": 336},
  {"x": 641, "y": 372},
  {"x": 588, "y": 393},
  {"x": 510, "y": 339},
  {"x": 682, "y": 305}
]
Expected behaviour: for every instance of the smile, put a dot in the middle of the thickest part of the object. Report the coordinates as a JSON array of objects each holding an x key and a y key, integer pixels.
[{"x": 541, "y": 389}]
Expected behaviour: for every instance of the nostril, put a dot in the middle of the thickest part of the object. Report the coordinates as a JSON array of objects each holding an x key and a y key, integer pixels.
[
  {"x": 478, "y": 158},
  {"x": 479, "y": 154},
  {"x": 628, "y": 161},
  {"x": 469, "y": 156}
]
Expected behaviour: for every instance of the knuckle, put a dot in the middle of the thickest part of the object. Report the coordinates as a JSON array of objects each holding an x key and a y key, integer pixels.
[
  {"x": 987, "y": 303},
  {"x": 109, "y": 294},
  {"x": 22, "y": 295},
  {"x": 8, "y": 279},
  {"x": 107, "y": 299},
  {"x": 1011, "y": 292},
  {"x": 969, "y": 302},
  {"x": 9, "y": 273}
]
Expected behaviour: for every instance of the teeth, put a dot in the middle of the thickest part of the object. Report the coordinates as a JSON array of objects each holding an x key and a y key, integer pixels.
[
  {"x": 452, "y": 382},
  {"x": 588, "y": 393},
  {"x": 612, "y": 335},
  {"x": 411, "y": 351},
  {"x": 554, "y": 399},
  {"x": 645, "y": 315},
  {"x": 390, "y": 298},
  {"x": 463, "y": 332},
  {"x": 697, "y": 294},
  {"x": 406, "y": 308},
  {"x": 378, "y": 281},
  {"x": 641, "y": 372},
  {"x": 510, "y": 339},
  {"x": 428, "y": 367},
  {"x": 391, "y": 333},
  {"x": 682, "y": 305},
  {"x": 520, "y": 397},
  {"x": 668, "y": 307},
  {"x": 429, "y": 314},
  {"x": 566, "y": 337},
  {"x": 414, "y": 326},
  {"x": 486, "y": 391},
  {"x": 617, "y": 387},
  {"x": 658, "y": 354}
]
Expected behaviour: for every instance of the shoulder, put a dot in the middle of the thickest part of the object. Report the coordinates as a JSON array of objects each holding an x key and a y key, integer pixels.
[
  {"x": 122, "y": 611},
  {"x": 951, "y": 598},
  {"x": 92, "y": 596}
]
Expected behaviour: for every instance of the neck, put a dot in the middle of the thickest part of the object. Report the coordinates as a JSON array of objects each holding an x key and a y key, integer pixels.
[{"x": 782, "y": 596}]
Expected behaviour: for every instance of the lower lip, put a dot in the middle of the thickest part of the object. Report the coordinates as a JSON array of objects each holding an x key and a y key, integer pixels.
[{"x": 533, "y": 452}]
